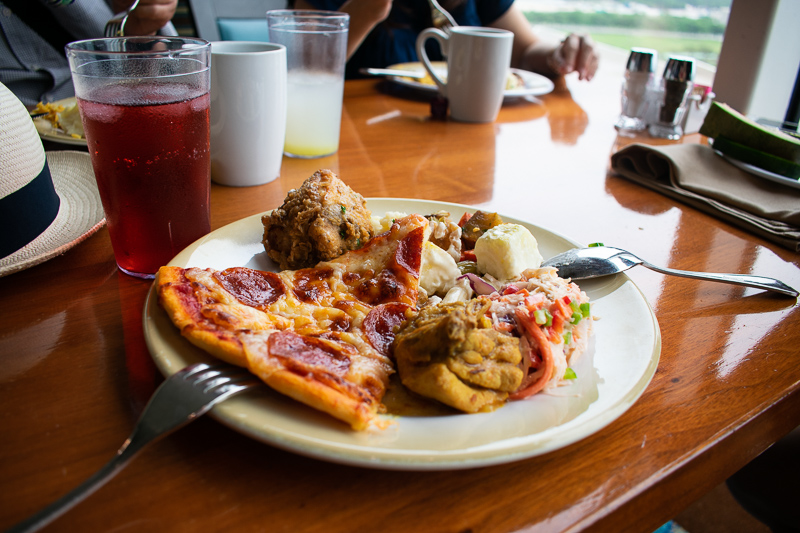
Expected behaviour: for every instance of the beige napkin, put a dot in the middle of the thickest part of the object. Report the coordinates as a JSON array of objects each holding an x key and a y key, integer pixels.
[{"x": 696, "y": 175}]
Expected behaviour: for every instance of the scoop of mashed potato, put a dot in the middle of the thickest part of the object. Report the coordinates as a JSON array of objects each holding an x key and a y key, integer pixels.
[{"x": 438, "y": 271}]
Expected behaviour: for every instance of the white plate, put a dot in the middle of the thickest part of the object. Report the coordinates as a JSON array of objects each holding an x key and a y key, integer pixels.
[
  {"x": 49, "y": 133},
  {"x": 760, "y": 172},
  {"x": 614, "y": 372},
  {"x": 535, "y": 84}
]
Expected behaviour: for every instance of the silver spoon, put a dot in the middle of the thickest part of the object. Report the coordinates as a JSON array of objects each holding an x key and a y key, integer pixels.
[{"x": 597, "y": 261}]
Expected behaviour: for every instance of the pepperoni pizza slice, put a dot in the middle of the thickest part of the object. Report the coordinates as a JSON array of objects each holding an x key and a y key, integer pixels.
[{"x": 320, "y": 335}]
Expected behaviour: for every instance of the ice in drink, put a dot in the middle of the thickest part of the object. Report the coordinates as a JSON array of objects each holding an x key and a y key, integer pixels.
[
  {"x": 152, "y": 167},
  {"x": 314, "y": 114}
]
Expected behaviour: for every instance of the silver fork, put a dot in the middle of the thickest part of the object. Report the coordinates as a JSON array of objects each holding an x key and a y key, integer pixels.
[
  {"x": 183, "y": 397},
  {"x": 116, "y": 26},
  {"x": 441, "y": 18}
]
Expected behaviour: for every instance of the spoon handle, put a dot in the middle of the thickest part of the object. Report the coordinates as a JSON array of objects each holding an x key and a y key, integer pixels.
[{"x": 758, "y": 282}]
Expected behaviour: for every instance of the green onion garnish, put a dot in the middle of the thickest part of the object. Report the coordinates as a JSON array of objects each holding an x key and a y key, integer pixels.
[{"x": 542, "y": 317}]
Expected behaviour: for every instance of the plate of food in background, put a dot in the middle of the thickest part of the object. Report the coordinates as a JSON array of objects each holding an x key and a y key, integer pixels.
[
  {"x": 519, "y": 83},
  {"x": 59, "y": 122}
]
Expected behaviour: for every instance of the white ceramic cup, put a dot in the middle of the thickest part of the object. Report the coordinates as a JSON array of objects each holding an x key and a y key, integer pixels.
[
  {"x": 248, "y": 112},
  {"x": 478, "y": 60}
]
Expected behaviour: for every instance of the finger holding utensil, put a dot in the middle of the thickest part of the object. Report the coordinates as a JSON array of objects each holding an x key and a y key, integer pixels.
[{"x": 145, "y": 17}]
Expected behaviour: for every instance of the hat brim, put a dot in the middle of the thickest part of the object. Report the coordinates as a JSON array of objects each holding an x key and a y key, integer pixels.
[{"x": 80, "y": 214}]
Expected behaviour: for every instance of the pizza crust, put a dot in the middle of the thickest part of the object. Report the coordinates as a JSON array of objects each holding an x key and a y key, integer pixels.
[{"x": 304, "y": 332}]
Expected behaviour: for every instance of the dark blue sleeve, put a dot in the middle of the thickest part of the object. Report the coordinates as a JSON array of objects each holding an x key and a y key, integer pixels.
[
  {"x": 394, "y": 40},
  {"x": 326, "y": 5},
  {"x": 491, "y": 10}
]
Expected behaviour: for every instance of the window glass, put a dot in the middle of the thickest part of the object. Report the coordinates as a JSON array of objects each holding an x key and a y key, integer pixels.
[{"x": 691, "y": 28}]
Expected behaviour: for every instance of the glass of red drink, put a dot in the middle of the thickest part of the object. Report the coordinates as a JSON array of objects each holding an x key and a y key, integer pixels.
[{"x": 144, "y": 103}]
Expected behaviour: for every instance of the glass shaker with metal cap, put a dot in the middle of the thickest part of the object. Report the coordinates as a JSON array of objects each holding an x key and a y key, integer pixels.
[
  {"x": 676, "y": 85},
  {"x": 639, "y": 79}
]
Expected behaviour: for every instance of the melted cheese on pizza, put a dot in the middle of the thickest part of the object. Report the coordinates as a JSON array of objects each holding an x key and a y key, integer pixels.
[{"x": 320, "y": 335}]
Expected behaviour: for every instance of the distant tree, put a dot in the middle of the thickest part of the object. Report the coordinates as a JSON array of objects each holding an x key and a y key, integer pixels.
[
  {"x": 704, "y": 25},
  {"x": 678, "y": 4}
]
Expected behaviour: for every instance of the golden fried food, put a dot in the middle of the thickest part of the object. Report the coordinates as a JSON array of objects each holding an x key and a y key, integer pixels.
[
  {"x": 451, "y": 353},
  {"x": 320, "y": 221}
]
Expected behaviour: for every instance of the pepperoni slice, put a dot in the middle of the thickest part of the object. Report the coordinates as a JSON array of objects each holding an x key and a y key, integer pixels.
[
  {"x": 303, "y": 354},
  {"x": 409, "y": 251},
  {"x": 310, "y": 284},
  {"x": 380, "y": 323},
  {"x": 251, "y": 287}
]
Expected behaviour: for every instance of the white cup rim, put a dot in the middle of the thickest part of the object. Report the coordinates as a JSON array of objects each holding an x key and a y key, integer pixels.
[
  {"x": 235, "y": 48},
  {"x": 480, "y": 30}
]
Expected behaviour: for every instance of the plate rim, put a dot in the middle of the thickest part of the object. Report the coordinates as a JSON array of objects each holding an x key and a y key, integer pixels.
[
  {"x": 759, "y": 172},
  {"x": 231, "y": 413}
]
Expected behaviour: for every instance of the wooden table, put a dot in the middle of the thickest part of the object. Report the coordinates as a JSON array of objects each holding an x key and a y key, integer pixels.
[{"x": 76, "y": 372}]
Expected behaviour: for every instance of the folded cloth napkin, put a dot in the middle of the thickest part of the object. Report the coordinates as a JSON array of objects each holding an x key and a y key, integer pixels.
[{"x": 696, "y": 175}]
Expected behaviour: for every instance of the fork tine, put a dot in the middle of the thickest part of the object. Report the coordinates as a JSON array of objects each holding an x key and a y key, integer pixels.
[
  {"x": 227, "y": 382},
  {"x": 221, "y": 380},
  {"x": 441, "y": 18}
]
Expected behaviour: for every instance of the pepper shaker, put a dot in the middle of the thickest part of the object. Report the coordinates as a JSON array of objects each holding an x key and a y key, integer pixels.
[
  {"x": 639, "y": 79},
  {"x": 676, "y": 85}
]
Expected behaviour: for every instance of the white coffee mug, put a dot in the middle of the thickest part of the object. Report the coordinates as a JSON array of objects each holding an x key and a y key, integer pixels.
[
  {"x": 478, "y": 60},
  {"x": 248, "y": 112}
]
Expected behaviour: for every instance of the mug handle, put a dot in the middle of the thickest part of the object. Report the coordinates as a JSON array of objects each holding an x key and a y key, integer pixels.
[{"x": 442, "y": 38}]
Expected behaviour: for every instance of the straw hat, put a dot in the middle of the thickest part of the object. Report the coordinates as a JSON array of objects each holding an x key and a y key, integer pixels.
[{"x": 48, "y": 202}]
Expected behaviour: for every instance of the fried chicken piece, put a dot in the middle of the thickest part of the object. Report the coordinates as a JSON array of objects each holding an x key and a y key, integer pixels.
[
  {"x": 320, "y": 221},
  {"x": 449, "y": 352}
]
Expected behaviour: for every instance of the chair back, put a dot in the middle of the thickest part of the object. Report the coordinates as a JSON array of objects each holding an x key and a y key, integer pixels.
[{"x": 233, "y": 20}]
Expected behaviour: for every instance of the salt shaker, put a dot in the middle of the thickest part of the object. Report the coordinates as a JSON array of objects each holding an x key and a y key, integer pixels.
[
  {"x": 676, "y": 85},
  {"x": 639, "y": 79}
]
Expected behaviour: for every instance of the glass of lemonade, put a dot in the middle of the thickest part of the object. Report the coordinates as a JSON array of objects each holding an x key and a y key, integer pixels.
[
  {"x": 144, "y": 103},
  {"x": 316, "y": 52}
]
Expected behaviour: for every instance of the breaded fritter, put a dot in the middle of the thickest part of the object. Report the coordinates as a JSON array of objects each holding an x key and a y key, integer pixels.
[
  {"x": 320, "y": 221},
  {"x": 449, "y": 352}
]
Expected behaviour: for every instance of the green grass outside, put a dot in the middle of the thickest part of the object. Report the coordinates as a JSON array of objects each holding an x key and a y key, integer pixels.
[{"x": 706, "y": 50}]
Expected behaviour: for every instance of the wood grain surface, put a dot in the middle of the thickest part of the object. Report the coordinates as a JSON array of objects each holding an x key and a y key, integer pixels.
[{"x": 76, "y": 373}]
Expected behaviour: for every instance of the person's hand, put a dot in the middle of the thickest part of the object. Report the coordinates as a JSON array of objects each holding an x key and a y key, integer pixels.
[
  {"x": 364, "y": 16},
  {"x": 576, "y": 53},
  {"x": 371, "y": 11},
  {"x": 148, "y": 17}
]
